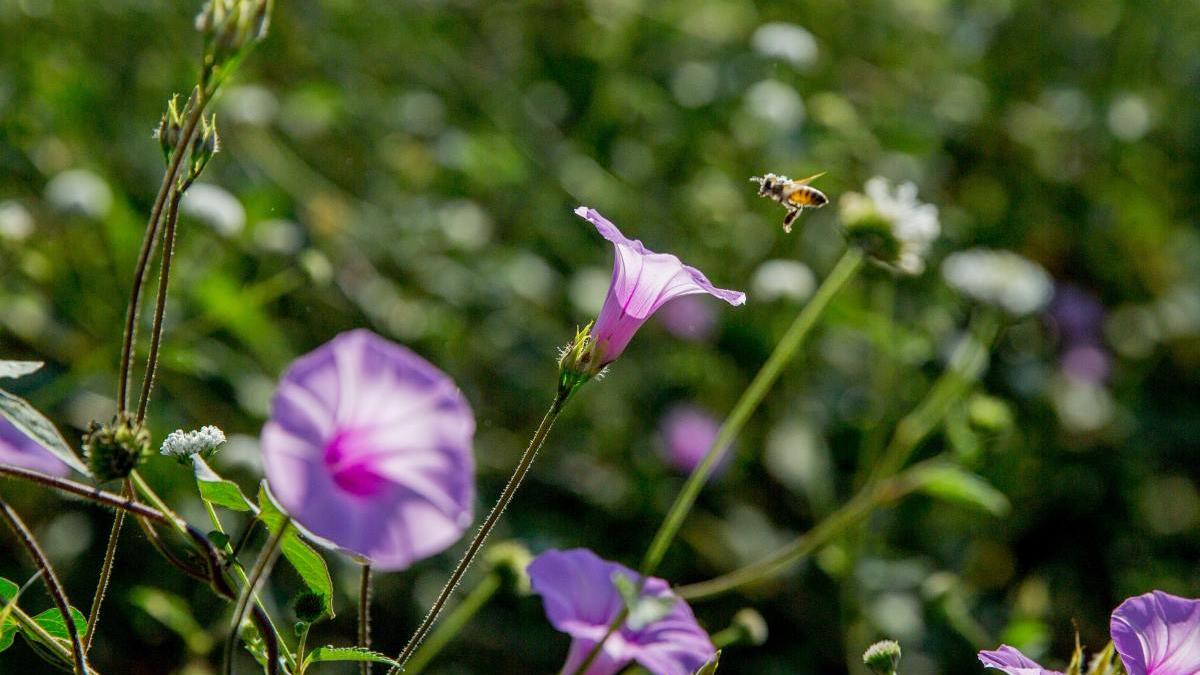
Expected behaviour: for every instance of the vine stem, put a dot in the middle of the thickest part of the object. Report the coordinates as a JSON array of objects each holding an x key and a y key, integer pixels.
[
  {"x": 489, "y": 523},
  {"x": 261, "y": 569},
  {"x": 147, "y": 250},
  {"x": 50, "y": 578},
  {"x": 843, "y": 271},
  {"x": 364, "y": 615},
  {"x": 110, "y": 555},
  {"x": 160, "y": 305}
]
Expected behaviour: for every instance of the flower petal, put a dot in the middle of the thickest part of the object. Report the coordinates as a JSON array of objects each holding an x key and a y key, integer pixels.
[
  {"x": 1158, "y": 634},
  {"x": 1013, "y": 662}
]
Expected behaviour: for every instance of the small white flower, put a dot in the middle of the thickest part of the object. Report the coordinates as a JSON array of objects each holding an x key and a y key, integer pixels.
[
  {"x": 894, "y": 227},
  {"x": 1009, "y": 281},
  {"x": 183, "y": 444},
  {"x": 215, "y": 206},
  {"x": 81, "y": 192}
]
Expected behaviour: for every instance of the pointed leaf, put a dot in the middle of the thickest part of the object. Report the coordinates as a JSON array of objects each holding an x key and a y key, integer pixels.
[
  {"x": 710, "y": 668},
  {"x": 8, "y": 625},
  {"x": 357, "y": 654},
  {"x": 957, "y": 485},
  {"x": 52, "y": 622},
  {"x": 217, "y": 490},
  {"x": 15, "y": 369},
  {"x": 307, "y": 562},
  {"x": 35, "y": 425},
  {"x": 645, "y": 610}
]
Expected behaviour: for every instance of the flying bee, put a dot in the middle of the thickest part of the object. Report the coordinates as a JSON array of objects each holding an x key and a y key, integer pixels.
[{"x": 794, "y": 195}]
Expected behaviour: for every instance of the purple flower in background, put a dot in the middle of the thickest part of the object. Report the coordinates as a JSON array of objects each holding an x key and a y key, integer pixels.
[
  {"x": 1158, "y": 634},
  {"x": 369, "y": 447},
  {"x": 1013, "y": 662},
  {"x": 1078, "y": 315},
  {"x": 581, "y": 600},
  {"x": 687, "y": 434},
  {"x": 20, "y": 450},
  {"x": 642, "y": 282},
  {"x": 1087, "y": 363},
  {"x": 689, "y": 318}
]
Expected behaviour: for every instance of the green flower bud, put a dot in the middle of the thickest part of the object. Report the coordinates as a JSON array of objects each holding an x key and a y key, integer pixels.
[
  {"x": 114, "y": 450},
  {"x": 883, "y": 657},
  {"x": 752, "y": 626},
  {"x": 309, "y": 607},
  {"x": 988, "y": 413},
  {"x": 170, "y": 127},
  {"x": 509, "y": 560},
  {"x": 205, "y": 144},
  {"x": 579, "y": 362}
]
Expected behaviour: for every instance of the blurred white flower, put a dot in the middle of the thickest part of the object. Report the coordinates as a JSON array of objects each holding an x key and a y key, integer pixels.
[
  {"x": 250, "y": 104},
  {"x": 15, "y": 221},
  {"x": 1009, "y": 281},
  {"x": 776, "y": 103},
  {"x": 183, "y": 444},
  {"x": 279, "y": 236},
  {"x": 81, "y": 192},
  {"x": 1130, "y": 117},
  {"x": 786, "y": 41},
  {"x": 789, "y": 279},
  {"x": 891, "y": 225},
  {"x": 216, "y": 206}
]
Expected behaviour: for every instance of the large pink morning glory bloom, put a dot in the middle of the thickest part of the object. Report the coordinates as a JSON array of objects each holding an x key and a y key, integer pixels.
[
  {"x": 18, "y": 449},
  {"x": 1013, "y": 662},
  {"x": 582, "y": 600},
  {"x": 369, "y": 448},
  {"x": 1158, "y": 634},
  {"x": 642, "y": 282}
]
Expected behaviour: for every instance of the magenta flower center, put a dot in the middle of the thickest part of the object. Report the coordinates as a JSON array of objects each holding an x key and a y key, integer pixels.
[{"x": 349, "y": 461}]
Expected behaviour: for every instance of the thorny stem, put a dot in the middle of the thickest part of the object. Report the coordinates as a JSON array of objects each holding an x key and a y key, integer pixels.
[
  {"x": 454, "y": 622},
  {"x": 110, "y": 554},
  {"x": 164, "y": 277},
  {"x": 489, "y": 523},
  {"x": 261, "y": 569},
  {"x": 364, "y": 615},
  {"x": 143, "y": 261},
  {"x": 52, "y": 584}
]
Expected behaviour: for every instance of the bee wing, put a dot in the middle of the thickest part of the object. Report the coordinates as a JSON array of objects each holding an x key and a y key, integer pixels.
[{"x": 806, "y": 181}]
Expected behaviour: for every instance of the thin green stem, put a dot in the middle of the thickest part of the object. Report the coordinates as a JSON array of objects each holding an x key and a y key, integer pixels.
[
  {"x": 110, "y": 555},
  {"x": 261, "y": 569},
  {"x": 489, "y": 523},
  {"x": 160, "y": 303},
  {"x": 302, "y": 665},
  {"x": 364, "y": 615},
  {"x": 455, "y": 621},
  {"x": 785, "y": 350},
  {"x": 50, "y": 578}
]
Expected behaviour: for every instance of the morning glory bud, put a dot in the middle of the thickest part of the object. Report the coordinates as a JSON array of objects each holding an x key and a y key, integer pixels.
[
  {"x": 204, "y": 145},
  {"x": 115, "y": 449},
  {"x": 171, "y": 127},
  {"x": 883, "y": 657}
]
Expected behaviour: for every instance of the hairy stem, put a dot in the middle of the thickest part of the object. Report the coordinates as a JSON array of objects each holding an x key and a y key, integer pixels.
[
  {"x": 160, "y": 306},
  {"x": 261, "y": 569},
  {"x": 110, "y": 555},
  {"x": 50, "y": 578},
  {"x": 489, "y": 523},
  {"x": 455, "y": 621},
  {"x": 364, "y": 615}
]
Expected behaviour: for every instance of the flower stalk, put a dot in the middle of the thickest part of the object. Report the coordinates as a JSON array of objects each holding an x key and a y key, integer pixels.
[
  {"x": 258, "y": 573},
  {"x": 364, "y": 616},
  {"x": 110, "y": 554}
]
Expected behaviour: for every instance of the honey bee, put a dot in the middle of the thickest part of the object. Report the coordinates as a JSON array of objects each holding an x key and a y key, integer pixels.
[{"x": 795, "y": 195}]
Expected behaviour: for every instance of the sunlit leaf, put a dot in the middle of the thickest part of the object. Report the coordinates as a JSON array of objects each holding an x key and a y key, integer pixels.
[
  {"x": 710, "y": 668},
  {"x": 953, "y": 484},
  {"x": 173, "y": 612},
  {"x": 357, "y": 654},
  {"x": 217, "y": 490},
  {"x": 8, "y": 625},
  {"x": 14, "y": 369},
  {"x": 643, "y": 610},
  {"x": 307, "y": 562},
  {"x": 35, "y": 425}
]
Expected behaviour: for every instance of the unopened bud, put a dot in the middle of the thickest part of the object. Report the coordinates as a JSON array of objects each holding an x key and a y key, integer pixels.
[
  {"x": 578, "y": 362},
  {"x": 883, "y": 657},
  {"x": 752, "y": 626},
  {"x": 509, "y": 559},
  {"x": 114, "y": 450},
  {"x": 205, "y": 144},
  {"x": 170, "y": 127},
  {"x": 309, "y": 607},
  {"x": 988, "y": 413}
]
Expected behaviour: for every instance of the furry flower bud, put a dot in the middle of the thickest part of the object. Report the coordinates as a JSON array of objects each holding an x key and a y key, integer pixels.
[
  {"x": 115, "y": 449},
  {"x": 183, "y": 444},
  {"x": 204, "y": 145},
  {"x": 579, "y": 362},
  {"x": 883, "y": 657},
  {"x": 171, "y": 127}
]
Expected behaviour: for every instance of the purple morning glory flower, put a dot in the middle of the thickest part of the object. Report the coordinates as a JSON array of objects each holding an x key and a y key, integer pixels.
[
  {"x": 642, "y": 282},
  {"x": 20, "y": 450},
  {"x": 1013, "y": 662},
  {"x": 687, "y": 433},
  {"x": 369, "y": 448},
  {"x": 1078, "y": 314},
  {"x": 581, "y": 600},
  {"x": 1158, "y": 634}
]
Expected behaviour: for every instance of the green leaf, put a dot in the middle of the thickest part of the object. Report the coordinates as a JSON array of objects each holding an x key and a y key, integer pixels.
[
  {"x": 35, "y": 425},
  {"x": 15, "y": 369},
  {"x": 217, "y": 490},
  {"x": 954, "y": 484},
  {"x": 643, "y": 610},
  {"x": 307, "y": 562},
  {"x": 358, "y": 654},
  {"x": 8, "y": 625},
  {"x": 710, "y": 668},
  {"x": 173, "y": 612},
  {"x": 52, "y": 622}
]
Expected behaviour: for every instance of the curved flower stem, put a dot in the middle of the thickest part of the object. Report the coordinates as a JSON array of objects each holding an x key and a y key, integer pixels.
[
  {"x": 835, "y": 281},
  {"x": 364, "y": 616},
  {"x": 160, "y": 306},
  {"x": 455, "y": 621},
  {"x": 489, "y": 523},
  {"x": 143, "y": 261},
  {"x": 52, "y": 584},
  {"x": 261, "y": 569},
  {"x": 110, "y": 554}
]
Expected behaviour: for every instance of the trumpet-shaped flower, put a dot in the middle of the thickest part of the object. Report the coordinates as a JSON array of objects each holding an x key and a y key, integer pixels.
[
  {"x": 1158, "y": 634},
  {"x": 582, "y": 599},
  {"x": 369, "y": 448},
  {"x": 642, "y": 282},
  {"x": 1013, "y": 662},
  {"x": 18, "y": 449}
]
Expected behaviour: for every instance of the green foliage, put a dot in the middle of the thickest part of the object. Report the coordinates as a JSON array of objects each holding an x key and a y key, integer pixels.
[
  {"x": 217, "y": 490},
  {"x": 954, "y": 484},
  {"x": 15, "y": 369},
  {"x": 307, "y": 562},
  {"x": 26, "y": 418},
  {"x": 173, "y": 612},
  {"x": 356, "y": 654}
]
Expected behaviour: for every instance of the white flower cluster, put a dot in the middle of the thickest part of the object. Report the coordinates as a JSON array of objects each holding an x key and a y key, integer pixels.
[
  {"x": 182, "y": 444},
  {"x": 892, "y": 225},
  {"x": 1009, "y": 281}
]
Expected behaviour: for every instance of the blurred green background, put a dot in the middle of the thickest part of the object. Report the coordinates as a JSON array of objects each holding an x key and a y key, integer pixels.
[{"x": 411, "y": 167}]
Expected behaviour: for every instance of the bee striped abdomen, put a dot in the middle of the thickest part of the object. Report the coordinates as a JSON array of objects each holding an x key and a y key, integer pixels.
[
  {"x": 805, "y": 196},
  {"x": 794, "y": 195}
]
